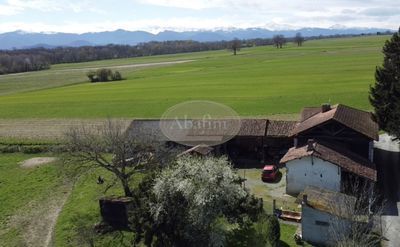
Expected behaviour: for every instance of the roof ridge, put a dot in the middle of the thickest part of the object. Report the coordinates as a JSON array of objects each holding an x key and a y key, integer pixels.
[{"x": 353, "y": 108}]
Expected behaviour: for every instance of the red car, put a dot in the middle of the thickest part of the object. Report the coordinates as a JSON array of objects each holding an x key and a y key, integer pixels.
[{"x": 269, "y": 173}]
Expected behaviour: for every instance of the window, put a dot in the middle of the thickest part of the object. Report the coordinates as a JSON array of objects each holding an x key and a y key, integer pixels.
[{"x": 321, "y": 223}]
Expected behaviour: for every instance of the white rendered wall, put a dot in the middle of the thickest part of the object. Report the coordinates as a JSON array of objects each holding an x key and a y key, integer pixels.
[{"x": 311, "y": 171}]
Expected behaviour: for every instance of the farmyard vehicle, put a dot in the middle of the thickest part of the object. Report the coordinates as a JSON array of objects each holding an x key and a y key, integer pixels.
[{"x": 269, "y": 173}]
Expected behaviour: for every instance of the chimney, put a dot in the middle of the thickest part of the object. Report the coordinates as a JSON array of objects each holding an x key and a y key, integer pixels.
[
  {"x": 325, "y": 107},
  {"x": 310, "y": 145}
]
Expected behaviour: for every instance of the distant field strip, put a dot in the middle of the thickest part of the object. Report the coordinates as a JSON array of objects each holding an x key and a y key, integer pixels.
[
  {"x": 142, "y": 65},
  {"x": 38, "y": 80}
]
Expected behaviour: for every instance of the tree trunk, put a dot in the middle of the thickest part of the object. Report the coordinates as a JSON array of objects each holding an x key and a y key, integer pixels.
[
  {"x": 234, "y": 52},
  {"x": 127, "y": 190}
]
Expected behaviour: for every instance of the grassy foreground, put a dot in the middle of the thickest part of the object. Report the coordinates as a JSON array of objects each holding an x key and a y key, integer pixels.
[
  {"x": 259, "y": 81},
  {"x": 27, "y": 197}
]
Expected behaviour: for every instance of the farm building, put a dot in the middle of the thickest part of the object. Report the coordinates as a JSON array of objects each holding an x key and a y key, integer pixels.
[
  {"x": 326, "y": 215},
  {"x": 317, "y": 164},
  {"x": 332, "y": 144},
  {"x": 260, "y": 141},
  {"x": 339, "y": 125},
  {"x": 256, "y": 142}
]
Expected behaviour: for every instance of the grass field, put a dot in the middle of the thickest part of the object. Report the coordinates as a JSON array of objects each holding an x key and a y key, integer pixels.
[
  {"x": 81, "y": 213},
  {"x": 30, "y": 196},
  {"x": 259, "y": 81}
]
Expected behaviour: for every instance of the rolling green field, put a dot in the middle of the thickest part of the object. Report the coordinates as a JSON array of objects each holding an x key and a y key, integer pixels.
[{"x": 260, "y": 81}]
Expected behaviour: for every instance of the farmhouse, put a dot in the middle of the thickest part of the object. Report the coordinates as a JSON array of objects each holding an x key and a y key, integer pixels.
[
  {"x": 326, "y": 215},
  {"x": 331, "y": 146}
]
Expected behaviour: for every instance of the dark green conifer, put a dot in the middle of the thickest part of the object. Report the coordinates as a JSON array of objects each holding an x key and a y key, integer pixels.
[{"x": 385, "y": 94}]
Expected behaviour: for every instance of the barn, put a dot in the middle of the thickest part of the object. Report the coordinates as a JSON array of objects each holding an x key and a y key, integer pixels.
[
  {"x": 257, "y": 142},
  {"x": 260, "y": 141},
  {"x": 331, "y": 145}
]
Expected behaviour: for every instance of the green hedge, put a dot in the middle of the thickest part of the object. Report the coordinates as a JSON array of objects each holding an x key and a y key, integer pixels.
[{"x": 30, "y": 149}]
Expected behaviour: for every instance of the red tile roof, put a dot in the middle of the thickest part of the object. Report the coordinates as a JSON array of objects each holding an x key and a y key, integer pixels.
[
  {"x": 248, "y": 127},
  {"x": 265, "y": 127},
  {"x": 280, "y": 128},
  {"x": 253, "y": 127},
  {"x": 348, "y": 161},
  {"x": 309, "y": 112},
  {"x": 327, "y": 201},
  {"x": 358, "y": 120}
]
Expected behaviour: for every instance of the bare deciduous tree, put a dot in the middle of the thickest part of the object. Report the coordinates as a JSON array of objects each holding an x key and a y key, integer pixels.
[
  {"x": 279, "y": 40},
  {"x": 235, "y": 46},
  {"x": 111, "y": 148},
  {"x": 299, "y": 39},
  {"x": 358, "y": 220}
]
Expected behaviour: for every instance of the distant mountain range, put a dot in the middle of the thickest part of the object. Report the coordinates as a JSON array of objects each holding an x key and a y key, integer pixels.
[{"x": 21, "y": 39}]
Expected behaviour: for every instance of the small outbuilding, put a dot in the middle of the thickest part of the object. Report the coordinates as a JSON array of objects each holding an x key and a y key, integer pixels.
[{"x": 326, "y": 215}]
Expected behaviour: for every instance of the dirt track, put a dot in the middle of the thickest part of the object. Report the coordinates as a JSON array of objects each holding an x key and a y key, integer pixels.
[
  {"x": 38, "y": 161},
  {"x": 141, "y": 65},
  {"x": 37, "y": 219},
  {"x": 131, "y": 65}
]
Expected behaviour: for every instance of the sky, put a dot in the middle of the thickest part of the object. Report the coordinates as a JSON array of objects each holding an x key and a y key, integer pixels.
[{"x": 79, "y": 16}]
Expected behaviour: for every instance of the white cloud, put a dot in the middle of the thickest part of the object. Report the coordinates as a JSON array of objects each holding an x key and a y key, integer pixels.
[
  {"x": 196, "y": 4},
  {"x": 7, "y": 10},
  {"x": 287, "y": 7},
  {"x": 203, "y": 14},
  {"x": 14, "y": 7},
  {"x": 152, "y": 25}
]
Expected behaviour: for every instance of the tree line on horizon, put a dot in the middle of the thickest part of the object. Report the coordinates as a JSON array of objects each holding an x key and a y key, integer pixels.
[{"x": 35, "y": 59}]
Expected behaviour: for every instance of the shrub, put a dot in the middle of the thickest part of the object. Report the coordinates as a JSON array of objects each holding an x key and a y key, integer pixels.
[
  {"x": 103, "y": 75},
  {"x": 9, "y": 149},
  {"x": 35, "y": 149},
  {"x": 272, "y": 230},
  {"x": 92, "y": 76},
  {"x": 116, "y": 76},
  {"x": 264, "y": 232},
  {"x": 27, "y": 149}
]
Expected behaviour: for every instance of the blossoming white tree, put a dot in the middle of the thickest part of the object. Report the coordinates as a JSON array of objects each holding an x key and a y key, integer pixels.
[{"x": 194, "y": 194}]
